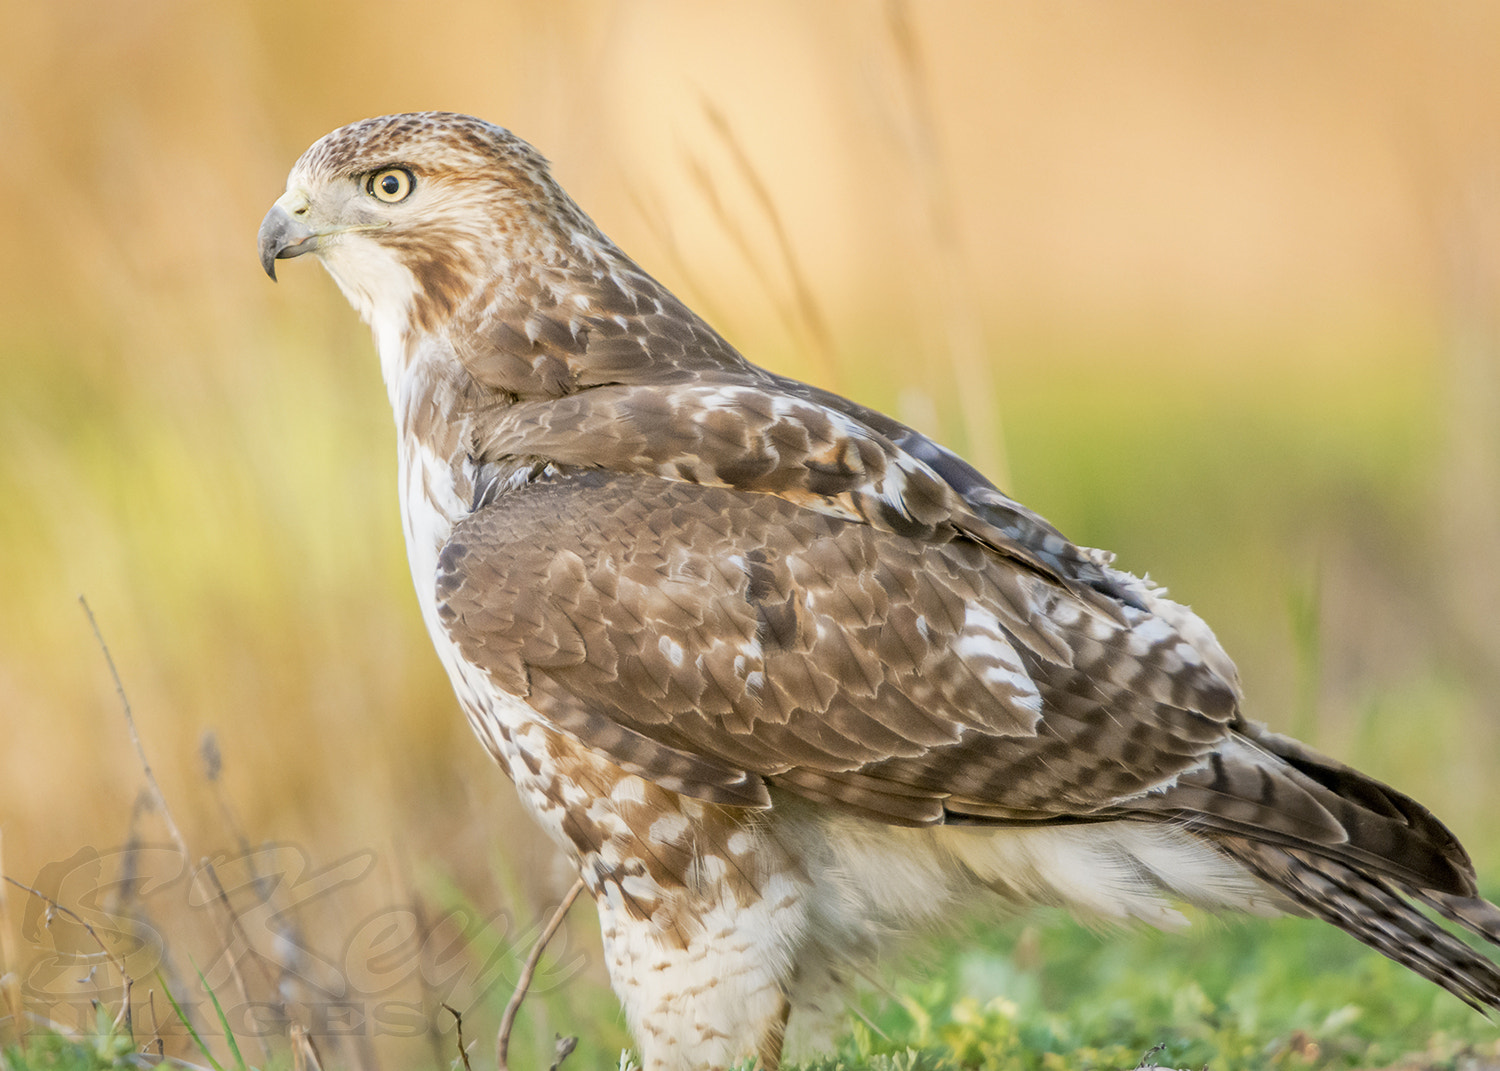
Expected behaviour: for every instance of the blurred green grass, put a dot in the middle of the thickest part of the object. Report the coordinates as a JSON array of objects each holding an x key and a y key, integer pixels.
[{"x": 1232, "y": 996}]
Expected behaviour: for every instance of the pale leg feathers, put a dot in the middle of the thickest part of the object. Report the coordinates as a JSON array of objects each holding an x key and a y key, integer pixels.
[{"x": 718, "y": 996}]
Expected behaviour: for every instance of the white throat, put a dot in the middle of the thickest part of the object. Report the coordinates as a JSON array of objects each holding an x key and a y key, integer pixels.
[{"x": 383, "y": 291}]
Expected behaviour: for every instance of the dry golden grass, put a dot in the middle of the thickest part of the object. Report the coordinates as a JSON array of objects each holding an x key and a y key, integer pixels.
[{"x": 1226, "y": 276}]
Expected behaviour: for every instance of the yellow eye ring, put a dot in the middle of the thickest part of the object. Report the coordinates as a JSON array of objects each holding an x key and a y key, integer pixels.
[{"x": 391, "y": 185}]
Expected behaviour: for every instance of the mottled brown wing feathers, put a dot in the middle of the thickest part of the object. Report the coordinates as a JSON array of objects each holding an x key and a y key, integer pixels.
[
  {"x": 996, "y": 510},
  {"x": 729, "y": 430},
  {"x": 763, "y": 640}
]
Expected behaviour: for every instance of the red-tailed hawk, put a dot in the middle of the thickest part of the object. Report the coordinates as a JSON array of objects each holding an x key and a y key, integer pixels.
[{"x": 782, "y": 676}]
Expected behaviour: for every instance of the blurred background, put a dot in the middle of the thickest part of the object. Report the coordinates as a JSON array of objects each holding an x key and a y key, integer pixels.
[{"x": 1214, "y": 285}]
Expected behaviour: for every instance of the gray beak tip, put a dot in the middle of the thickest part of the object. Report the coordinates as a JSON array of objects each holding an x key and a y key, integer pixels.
[{"x": 282, "y": 236}]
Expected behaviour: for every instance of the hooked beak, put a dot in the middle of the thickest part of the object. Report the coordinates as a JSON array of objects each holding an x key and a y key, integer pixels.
[{"x": 284, "y": 234}]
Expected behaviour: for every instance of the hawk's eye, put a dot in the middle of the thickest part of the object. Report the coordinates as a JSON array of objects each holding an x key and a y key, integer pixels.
[{"x": 391, "y": 185}]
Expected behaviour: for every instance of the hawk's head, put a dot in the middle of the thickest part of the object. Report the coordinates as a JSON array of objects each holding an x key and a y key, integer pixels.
[
  {"x": 452, "y": 239},
  {"x": 411, "y": 214}
]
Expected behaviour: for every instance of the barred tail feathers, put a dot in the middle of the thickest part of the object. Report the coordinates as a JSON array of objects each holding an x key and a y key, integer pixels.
[{"x": 1381, "y": 913}]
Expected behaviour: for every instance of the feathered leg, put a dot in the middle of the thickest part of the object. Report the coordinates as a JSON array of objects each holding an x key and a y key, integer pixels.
[{"x": 711, "y": 998}]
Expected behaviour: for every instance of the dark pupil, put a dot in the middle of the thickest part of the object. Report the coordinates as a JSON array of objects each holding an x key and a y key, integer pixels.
[{"x": 390, "y": 184}]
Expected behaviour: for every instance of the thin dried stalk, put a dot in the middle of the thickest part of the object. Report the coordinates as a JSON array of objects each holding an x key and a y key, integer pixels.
[
  {"x": 122, "y": 1018},
  {"x": 508, "y": 1020},
  {"x": 805, "y": 310},
  {"x": 9, "y": 963},
  {"x": 135, "y": 737},
  {"x": 976, "y": 393},
  {"x": 458, "y": 1022},
  {"x": 160, "y": 799}
]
